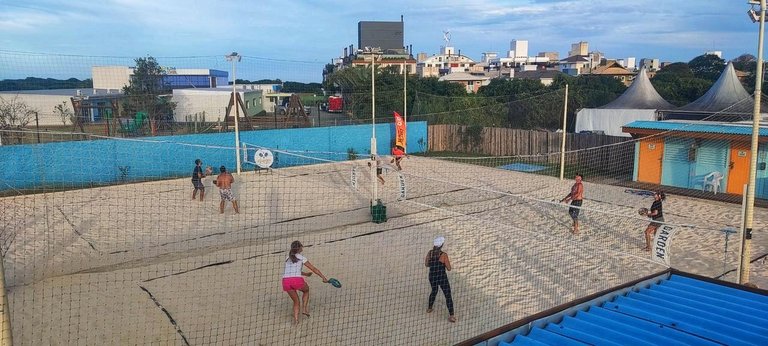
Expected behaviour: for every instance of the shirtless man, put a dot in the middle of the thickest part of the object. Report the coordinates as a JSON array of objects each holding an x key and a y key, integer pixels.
[
  {"x": 575, "y": 197},
  {"x": 224, "y": 182}
]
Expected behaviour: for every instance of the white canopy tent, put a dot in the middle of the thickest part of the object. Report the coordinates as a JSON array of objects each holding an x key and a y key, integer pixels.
[
  {"x": 639, "y": 102},
  {"x": 726, "y": 100}
]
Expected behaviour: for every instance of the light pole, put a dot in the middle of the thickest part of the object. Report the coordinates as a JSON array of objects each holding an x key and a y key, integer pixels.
[
  {"x": 746, "y": 238},
  {"x": 235, "y": 58},
  {"x": 405, "y": 101},
  {"x": 371, "y": 52}
]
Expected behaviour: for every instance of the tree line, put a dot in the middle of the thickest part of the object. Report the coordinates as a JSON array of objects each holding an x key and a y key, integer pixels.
[
  {"x": 34, "y": 83},
  {"x": 518, "y": 103}
]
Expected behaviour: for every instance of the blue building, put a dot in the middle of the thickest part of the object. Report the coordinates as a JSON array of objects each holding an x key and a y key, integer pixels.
[
  {"x": 116, "y": 77},
  {"x": 195, "y": 78},
  {"x": 702, "y": 155}
]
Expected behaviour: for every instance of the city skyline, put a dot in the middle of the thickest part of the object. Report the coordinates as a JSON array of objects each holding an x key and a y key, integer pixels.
[{"x": 311, "y": 35}]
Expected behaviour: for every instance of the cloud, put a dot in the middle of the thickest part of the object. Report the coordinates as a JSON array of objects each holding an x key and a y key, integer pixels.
[{"x": 318, "y": 31}]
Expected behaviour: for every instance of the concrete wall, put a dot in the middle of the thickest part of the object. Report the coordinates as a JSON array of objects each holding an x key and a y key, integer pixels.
[
  {"x": 82, "y": 163},
  {"x": 43, "y": 104},
  {"x": 213, "y": 103}
]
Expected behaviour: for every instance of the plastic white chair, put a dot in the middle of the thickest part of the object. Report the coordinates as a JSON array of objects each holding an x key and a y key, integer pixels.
[{"x": 712, "y": 182}]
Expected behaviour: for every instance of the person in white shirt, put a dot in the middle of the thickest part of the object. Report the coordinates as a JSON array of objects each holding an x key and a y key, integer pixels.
[
  {"x": 379, "y": 168},
  {"x": 293, "y": 280}
]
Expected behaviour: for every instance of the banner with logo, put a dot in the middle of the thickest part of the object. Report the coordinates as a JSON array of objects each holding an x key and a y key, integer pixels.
[
  {"x": 353, "y": 177},
  {"x": 399, "y": 131},
  {"x": 402, "y": 195},
  {"x": 661, "y": 245}
]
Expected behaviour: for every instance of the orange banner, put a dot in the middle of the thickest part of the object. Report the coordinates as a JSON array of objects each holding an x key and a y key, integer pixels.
[{"x": 399, "y": 131}]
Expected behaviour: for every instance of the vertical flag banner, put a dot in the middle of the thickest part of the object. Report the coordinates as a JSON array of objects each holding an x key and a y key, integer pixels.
[{"x": 399, "y": 131}]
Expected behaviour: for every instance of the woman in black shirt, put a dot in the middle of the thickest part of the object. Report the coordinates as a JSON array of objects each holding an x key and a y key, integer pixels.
[{"x": 657, "y": 215}]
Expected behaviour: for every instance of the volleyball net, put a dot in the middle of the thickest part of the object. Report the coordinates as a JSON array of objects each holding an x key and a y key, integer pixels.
[{"x": 103, "y": 242}]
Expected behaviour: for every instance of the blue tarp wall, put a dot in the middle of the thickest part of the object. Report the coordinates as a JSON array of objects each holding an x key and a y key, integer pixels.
[{"x": 81, "y": 163}]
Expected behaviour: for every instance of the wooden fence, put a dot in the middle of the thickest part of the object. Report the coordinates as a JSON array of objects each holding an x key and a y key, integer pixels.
[{"x": 586, "y": 150}]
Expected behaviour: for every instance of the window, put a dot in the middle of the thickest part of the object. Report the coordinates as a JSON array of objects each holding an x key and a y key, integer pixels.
[{"x": 247, "y": 104}]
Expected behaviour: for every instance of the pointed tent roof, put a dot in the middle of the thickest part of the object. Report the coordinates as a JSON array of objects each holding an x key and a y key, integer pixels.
[
  {"x": 639, "y": 95},
  {"x": 724, "y": 94}
]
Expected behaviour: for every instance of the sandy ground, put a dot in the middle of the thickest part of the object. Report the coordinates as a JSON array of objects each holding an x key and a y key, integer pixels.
[{"x": 143, "y": 264}]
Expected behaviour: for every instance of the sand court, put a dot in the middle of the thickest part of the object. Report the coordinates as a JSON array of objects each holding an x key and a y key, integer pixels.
[{"x": 143, "y": 263}]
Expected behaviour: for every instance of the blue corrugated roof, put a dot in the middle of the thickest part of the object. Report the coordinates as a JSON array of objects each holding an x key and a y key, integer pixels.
[
  {"x": 696, "y": 126},
  {"x": 679, "y": 310}
]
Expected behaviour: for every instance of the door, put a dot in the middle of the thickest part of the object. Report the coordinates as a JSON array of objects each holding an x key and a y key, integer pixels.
[
  {"x": 679, "y": 159},
  {"x": 712, "y": 156},
  {"x": 738, "y": 167},
  {"x": 649, "y": 158}
]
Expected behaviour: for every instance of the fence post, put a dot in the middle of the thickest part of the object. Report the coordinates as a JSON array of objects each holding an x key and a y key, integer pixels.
[{"x": 5, "y": 329}]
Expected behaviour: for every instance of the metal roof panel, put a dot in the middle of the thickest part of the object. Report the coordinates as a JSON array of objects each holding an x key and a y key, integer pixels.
[
  {"x": 695, "y": 126},
  {"x": 674, "y": 310}
]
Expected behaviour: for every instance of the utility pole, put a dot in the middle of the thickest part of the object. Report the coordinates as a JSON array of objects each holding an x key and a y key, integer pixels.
[
  {"x": 235, "y": 58},
  {"x": 565, "y": 122},
  {"x": 746, "y": 237}
]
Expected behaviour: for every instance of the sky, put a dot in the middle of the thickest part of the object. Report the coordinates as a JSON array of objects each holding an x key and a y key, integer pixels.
[{"x": 294, "y": 39}]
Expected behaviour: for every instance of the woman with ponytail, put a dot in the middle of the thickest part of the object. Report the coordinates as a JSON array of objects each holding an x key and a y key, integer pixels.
[
  {"x": 438, "y": 263},
  {"x": 293, "y": 280},
  {"x": 656, "y": 213}
]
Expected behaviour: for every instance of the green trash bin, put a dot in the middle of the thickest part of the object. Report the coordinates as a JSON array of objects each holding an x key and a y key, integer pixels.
[{"x": 379, "y": 212}]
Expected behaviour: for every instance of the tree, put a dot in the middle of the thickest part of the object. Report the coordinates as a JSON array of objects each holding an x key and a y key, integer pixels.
[
  {"x": 148, "y": 92},
  {"x": 63, "y": 111},
  {"x": 15, "y": 114},
  {"x": 678, "y": 84},
  {"x": 707, "y": 66},
  {"x": 747, "y": 63},
  {"x": 678, "y": 69}
]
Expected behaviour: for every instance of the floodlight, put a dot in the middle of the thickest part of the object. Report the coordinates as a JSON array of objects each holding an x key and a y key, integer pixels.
[{"x": 753, "y": 15}]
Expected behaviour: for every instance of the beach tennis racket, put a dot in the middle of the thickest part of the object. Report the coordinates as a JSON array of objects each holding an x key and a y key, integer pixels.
[
  {"x": 334, "y": 282},
  {"x": 642, "y": 211}
]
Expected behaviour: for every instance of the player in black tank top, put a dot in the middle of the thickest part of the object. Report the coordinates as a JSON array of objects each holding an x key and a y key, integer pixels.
[
  {"x": 656, "y": 213},
  {"x": 438, "y": 263}
]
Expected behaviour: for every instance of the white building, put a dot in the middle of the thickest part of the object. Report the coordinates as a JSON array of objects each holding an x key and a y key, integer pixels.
[
  {"x": 649, "y": 64},
  {"x": 445, "y": 63},
  {"x": 111, "y": 77},
  {"x": 518, "y": 49},
  {"x": 717, "y": 53},
  {"x": 471, "y": 82},
  {"x": 44, "y": 101},
  {"x": 213, "y": 102},
  {"x": 628, "y": 63},
  {"x": 579, "y": 48},
  {"x": 517, "y": 57}
]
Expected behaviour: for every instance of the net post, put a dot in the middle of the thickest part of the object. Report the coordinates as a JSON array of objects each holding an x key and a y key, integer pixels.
[{"x": 6, "y": 338}]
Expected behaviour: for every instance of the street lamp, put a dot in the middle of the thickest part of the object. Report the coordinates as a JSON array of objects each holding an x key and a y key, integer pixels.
[
  {"x": 746, "y": 238},
  {"x": 235, "y": 58}
]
